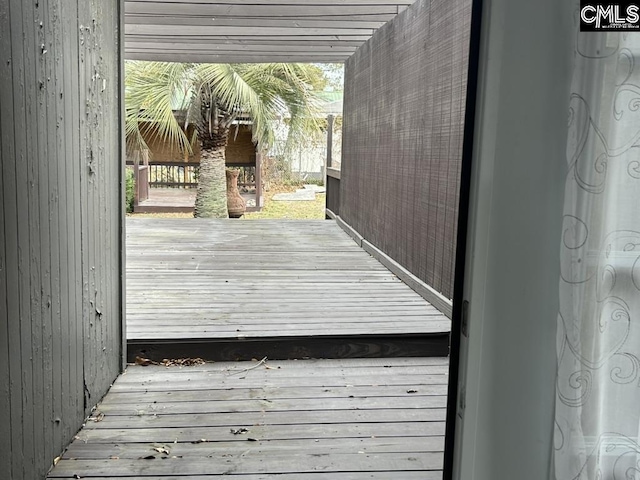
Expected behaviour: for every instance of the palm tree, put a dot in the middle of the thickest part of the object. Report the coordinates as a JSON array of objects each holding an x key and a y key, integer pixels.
[{"x": 214, "y": 97}]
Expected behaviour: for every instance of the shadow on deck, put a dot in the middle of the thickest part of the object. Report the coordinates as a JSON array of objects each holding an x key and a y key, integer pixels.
[{"x": 237, "y": 290}]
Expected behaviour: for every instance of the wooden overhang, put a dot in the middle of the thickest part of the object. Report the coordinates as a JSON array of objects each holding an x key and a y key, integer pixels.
[{"x": 244, "y": 31}]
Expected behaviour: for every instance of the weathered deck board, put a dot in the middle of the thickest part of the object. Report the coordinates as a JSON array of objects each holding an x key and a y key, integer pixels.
[
  {"x": 216, "y": 280},
  {"x": 347, "y": 419}
]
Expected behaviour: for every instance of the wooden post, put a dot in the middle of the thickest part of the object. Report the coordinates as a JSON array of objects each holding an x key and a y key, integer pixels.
[
  {"x": 330, "y": 120},
  {"x": 136, "y": 187},
  {"x": 122, "y": 214},
  {"x": 141, "y": 177},
  {"x": 259, "y": 200}
]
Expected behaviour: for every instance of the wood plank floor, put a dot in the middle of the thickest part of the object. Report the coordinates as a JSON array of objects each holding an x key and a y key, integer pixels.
[
  {"x": 197, "y": 280},
  {"x": 347, "y": 419}
]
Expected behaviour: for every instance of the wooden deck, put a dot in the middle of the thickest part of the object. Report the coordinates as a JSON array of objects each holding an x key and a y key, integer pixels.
[
  {"x": 349, "y": 419},
  {"x": 173, "y": 200},
  {"x": 240, "y": 289},
  {"x": 275, "y": 289},
  {"x": 168, "y": 200}
]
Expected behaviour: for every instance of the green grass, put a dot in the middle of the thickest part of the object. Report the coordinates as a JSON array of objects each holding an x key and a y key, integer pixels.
[{"x": 289, "y": 210}]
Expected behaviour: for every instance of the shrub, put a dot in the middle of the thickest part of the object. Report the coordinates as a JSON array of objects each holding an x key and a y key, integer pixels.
[
  {"x": 130, "y": 189},
  {"x": 315, "y": 181}
]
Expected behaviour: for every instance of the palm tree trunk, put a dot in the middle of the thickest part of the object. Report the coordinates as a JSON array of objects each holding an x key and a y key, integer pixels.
[{"x": 211, "y": 196}]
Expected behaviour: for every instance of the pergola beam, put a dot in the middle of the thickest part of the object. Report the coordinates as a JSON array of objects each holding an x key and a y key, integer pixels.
[
  {"x": 240, "y": 48},
  {"x": 321, "y": 22},
  {"x": 239, "y": 39},
  {"x": 272, "y": 10},
  {"x": 177, "y": 30},
  {"x": 229, "y": 31},
  {"x": 308, "y": 3},
  {"x": 353, "y": 41},
  {"x": 234, "y": 58}
]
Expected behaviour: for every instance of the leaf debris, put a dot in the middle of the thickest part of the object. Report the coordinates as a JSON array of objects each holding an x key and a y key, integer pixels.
[
  {"x": 261, "y": 362},
  {"x": 182, "y": 362},
  {"x": 162, "y": 449},
  {"x": 97, "y": 418},
  {"x": 145, "y": 362}
]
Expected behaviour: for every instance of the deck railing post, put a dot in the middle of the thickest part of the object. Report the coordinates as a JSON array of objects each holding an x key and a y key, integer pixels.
[
  {"x": 330, "y": 179},
  {"x": 141, "y": 178},
  {"x": 259, "y": 200},
  {"x": 328, "y": 161},
  {"x": 136, "y": 177}
]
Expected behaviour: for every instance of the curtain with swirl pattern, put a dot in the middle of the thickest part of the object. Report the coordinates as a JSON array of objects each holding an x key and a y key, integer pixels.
[{"x": 598, "y": 347}]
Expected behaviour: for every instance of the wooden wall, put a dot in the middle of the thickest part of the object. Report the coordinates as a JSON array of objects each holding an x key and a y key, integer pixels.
[
  {"x": 60, "y": 213},
  {"x": 402, "y": 137},
  {"x": 159, "y": 151},
  {"x": 240, "y": 150}
]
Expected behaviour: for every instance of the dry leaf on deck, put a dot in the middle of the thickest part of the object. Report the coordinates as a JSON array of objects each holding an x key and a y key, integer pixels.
[
  {"x": 144, "y": 361},
  {"x": 97, "y": 418}
]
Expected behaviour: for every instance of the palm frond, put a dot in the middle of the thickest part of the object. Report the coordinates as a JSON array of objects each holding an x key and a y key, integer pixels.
[
  {"x": 289, "y": 87},
  {"x": 153, "y": 90},
  {"x": 264, "y": 92}
]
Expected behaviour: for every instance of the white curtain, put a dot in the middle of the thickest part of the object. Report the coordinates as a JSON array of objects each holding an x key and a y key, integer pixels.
[{"x": 598, "y": 382}]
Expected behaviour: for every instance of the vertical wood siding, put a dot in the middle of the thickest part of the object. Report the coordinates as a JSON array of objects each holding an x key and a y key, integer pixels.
[
  {"x": 405, "y": 93},
  {"x": 60, "y": 297}
]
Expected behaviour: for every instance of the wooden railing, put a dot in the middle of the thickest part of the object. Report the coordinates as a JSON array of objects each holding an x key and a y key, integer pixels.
[
  {"x": 332, "y": 184},
  {"x": 173, "y": 174},
  {"x": 185, "y": 175}
]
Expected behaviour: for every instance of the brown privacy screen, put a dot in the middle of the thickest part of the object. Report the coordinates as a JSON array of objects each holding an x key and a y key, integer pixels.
[{"x": 402, "y": 137}]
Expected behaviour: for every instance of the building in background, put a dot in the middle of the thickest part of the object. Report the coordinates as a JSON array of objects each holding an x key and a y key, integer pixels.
[{"x": 307, "y": 163}]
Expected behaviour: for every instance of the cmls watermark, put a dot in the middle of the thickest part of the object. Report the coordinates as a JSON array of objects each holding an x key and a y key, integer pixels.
[{"x": 601, "y": 17}]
